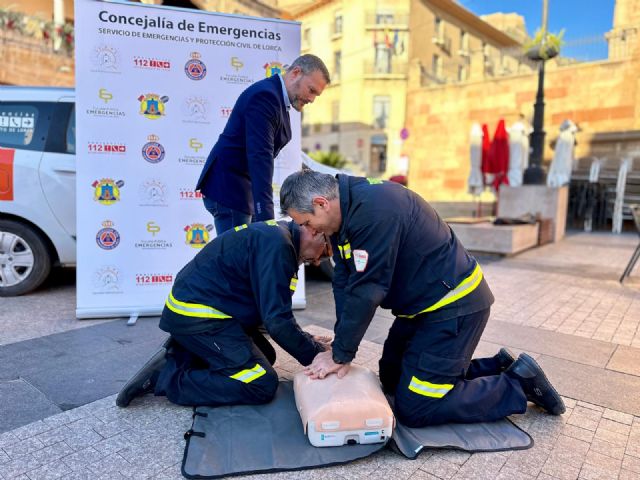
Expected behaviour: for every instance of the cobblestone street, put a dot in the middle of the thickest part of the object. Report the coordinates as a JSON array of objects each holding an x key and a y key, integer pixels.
[{"x": 562, "y": 303}]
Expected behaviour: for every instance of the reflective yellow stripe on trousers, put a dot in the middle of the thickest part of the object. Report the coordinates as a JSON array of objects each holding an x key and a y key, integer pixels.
[
  {"x": 294, "y": 284},
  {"x": 428, "y": 389},
  {"x": 250, "y": 374},
  {"x": 465, "y": 287},
  {"x": 193, "y": 309}
]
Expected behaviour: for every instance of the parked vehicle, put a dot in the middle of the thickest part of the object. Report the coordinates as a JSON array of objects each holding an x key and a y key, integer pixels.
[{"x": 37, "y": 185}]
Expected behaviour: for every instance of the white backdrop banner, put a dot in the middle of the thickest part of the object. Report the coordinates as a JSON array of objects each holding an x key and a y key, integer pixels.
[{"x": 154, "y": 89}]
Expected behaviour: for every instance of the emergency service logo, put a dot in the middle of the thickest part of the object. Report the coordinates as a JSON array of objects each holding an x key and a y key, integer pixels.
[
  {"x": 273, "y": 68},
  {"x": 15, "y": 121},
  {"x": 107, "y": 191},
  {"x": 153, "y": 193},
  {"x": 195, "y": 69},
  {"x": 234, "y": 77},
  {"x": 105, "y": 59},
  {"x": 107, "y": 237},
  {"x": 149, "y": 63},
  {"x": 197, "y": 157},
  {"x": 195, "y": 109},
  {"x": 107, "y": 280},
  {"x": 153, "y": 242},
  {"x": 197, "y": 234},
  {"x": 189, "y": 194},
  {"x": 236, "y": 63},
  {"x": 150, "y": 279},
  {"x": 98, "y": 148},
  {"x": 152, "y": 105},
  {"x": 105, "y": 107},
  {"x": 153, "y": 151}
]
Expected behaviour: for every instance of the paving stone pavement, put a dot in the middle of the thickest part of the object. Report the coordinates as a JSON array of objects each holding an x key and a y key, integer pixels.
[
  {"x": 561, "y": 302},
  {"x": 145, "y": 440}
]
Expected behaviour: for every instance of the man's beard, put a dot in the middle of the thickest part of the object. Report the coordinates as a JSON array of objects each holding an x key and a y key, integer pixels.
[{"x": 297, "y": 103}]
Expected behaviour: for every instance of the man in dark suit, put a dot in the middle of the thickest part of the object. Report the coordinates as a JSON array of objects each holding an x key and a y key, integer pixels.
[{"x": 236, "y": 181}]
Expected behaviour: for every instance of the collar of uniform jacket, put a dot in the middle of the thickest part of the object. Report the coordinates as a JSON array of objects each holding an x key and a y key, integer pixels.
[
  {"x": 294, "y": 229},
  {"x": 344, "y": 192},
  {"x": 285, "y": 95}
]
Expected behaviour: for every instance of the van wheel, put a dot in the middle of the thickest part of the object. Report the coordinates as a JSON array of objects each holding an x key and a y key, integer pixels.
[{"x": 25, "y": 261}]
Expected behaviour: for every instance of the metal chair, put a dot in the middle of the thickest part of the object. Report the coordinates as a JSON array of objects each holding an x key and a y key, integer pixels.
[{"x": 635, "y": 211}]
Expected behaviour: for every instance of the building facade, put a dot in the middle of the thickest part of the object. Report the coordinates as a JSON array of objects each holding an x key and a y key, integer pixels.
[
  {"x": 370, "y": 47},
  {"x": 37, "y": 36},
  {"x": 601, "y": 96}
]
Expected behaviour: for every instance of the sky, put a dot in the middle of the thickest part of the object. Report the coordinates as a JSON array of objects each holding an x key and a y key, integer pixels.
[{"x": 580, "y": 19}]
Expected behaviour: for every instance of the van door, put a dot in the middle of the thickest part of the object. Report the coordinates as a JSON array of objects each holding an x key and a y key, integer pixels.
[
  {"x": 58, "y": 166},
  {"x": 23, "y": 132}
]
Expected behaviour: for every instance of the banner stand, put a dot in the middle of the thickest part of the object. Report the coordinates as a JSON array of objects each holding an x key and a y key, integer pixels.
[{"x": 154, "y": 89}]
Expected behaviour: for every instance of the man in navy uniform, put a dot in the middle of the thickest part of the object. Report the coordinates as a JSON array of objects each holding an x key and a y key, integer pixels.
[
  {"x": 240, "y": 280},
  {"x": 236, "y": 180},
  {"x": 393, "y": 250}
]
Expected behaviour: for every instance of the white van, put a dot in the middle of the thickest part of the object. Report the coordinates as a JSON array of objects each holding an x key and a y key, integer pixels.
[{"x": 37, "y": 185}]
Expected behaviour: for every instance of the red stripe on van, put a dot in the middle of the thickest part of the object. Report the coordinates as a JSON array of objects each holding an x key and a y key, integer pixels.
[{"x": 6, "y": 174}]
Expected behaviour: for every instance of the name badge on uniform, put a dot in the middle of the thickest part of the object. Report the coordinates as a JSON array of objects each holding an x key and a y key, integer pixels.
[{"x": 360, "y": 257}]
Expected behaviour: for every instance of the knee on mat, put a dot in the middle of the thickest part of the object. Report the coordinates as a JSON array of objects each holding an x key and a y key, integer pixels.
[
  {"x": 408, "y": 420},
  {"x": 412, "y": 414},
  {"x": 264, "y": 389}
]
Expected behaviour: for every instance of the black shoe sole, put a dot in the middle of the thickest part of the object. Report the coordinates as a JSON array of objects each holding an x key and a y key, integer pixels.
[
  {"x": 528, "y": 360},
  {"x": 135, "y": 386}
]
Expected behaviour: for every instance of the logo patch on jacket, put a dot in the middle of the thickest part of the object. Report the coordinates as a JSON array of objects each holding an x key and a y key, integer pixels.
[{"x": 360, "y": 257}]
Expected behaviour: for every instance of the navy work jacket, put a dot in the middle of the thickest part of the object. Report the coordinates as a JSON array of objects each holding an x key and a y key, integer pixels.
[
  {"x": 396, "y": 253},
  {"x": 249, "y": 275},
  {"x": 239, "y": 170}
]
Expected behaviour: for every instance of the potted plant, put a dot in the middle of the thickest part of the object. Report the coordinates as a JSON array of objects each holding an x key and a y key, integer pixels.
[{"x": 543, "y": 46}]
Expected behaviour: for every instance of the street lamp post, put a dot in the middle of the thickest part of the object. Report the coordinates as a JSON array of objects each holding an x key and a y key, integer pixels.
[{"x": 534, "y": 174}]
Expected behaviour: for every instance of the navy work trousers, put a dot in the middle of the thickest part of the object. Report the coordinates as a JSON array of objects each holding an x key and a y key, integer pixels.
[
  {"x": 225, "y": 218},
  {"x": 427, "y": 365},
  {"x": 223, "y": 366}
]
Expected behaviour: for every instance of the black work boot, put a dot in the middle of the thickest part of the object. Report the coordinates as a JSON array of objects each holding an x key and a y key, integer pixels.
[
  {"x": 505, "y": 357},
  {"x": 144, "y": 380},
  {"x": 535, "y": 384}
]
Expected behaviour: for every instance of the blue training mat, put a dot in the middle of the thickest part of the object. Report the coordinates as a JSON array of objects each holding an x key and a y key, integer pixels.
[{"x": 245, "y": 439}]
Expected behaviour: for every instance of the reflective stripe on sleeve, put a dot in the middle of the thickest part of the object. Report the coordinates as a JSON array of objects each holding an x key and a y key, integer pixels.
[
  {"x": 240, "y": 227},
  {"x": 428, "y": 389},
  {"x": 345, "y": 250},
  {"x": 250, "y": 374},
  {"x": 193, "y": 309},
  {"x": 465, "y": 287}
]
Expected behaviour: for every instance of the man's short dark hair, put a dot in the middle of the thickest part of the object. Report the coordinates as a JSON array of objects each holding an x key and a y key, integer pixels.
[
  {"x": 299, "y": 189},
  {"x": 309, "y": 63}
]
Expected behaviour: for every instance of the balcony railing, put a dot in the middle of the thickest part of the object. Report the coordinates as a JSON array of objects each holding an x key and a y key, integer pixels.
[
  {"x": 443, "y": 42},
  {"x": 387, "y": 19},
  {"x": 428, "y": 78},
  {"x": 384, "y": 68},
  {"x": 33, "y": 33}
]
